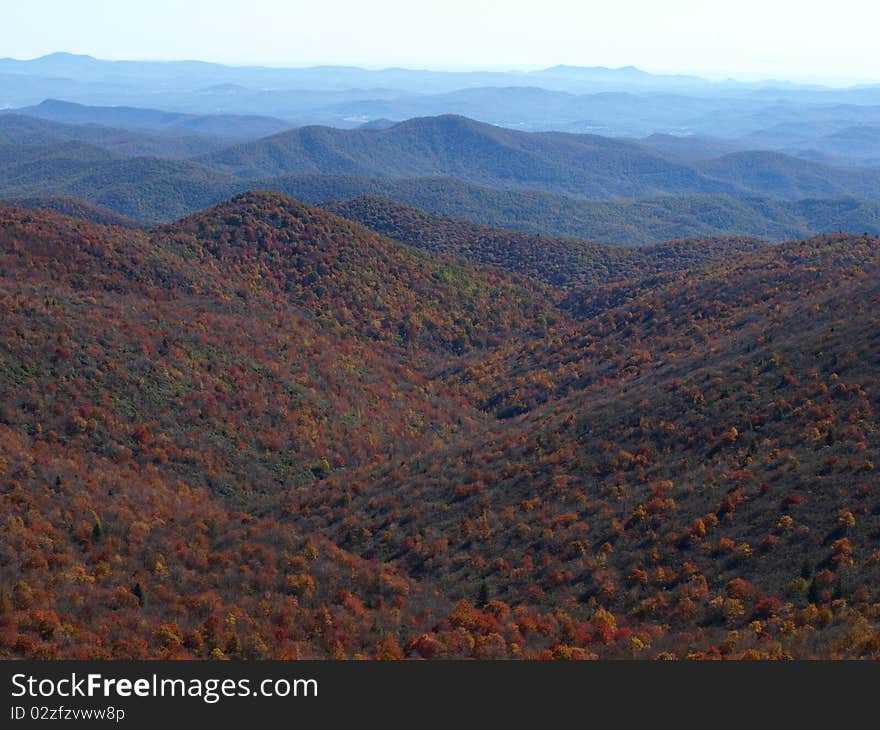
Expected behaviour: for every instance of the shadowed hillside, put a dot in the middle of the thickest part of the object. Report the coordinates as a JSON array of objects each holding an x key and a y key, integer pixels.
[{"x": 558, "y": 261}]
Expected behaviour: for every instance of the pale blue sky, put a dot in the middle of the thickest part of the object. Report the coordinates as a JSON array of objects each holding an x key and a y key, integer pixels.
[{"x": 780, "y": 38}]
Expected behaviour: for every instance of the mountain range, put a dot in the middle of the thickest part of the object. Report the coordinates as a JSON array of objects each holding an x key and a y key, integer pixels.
[
  {"x": 586, "y": 186},
  {"x": 332, "y": 362},
  {"x": 818, "y": 120}
]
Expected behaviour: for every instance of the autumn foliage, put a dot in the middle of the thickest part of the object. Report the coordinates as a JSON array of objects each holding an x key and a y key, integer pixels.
[{"x": 267, "y": 431}]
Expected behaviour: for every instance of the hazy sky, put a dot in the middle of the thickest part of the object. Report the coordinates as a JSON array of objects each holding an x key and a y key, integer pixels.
[{"x": 781, "y": 38}]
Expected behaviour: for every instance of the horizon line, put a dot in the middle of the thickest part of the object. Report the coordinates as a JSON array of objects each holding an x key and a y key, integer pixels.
[{"x": 708, "y": 76}]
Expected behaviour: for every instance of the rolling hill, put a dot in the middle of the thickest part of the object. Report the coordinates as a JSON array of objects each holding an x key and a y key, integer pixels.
[
  {"x": 165, "y": 189},
  {"x": 187, "y": 375},
  {"x": 779, "y": 175},
  {"x": 74, "y": 208}
]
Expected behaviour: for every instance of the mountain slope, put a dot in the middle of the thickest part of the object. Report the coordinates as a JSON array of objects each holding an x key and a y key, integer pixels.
[
  {"x": 74, "y": 208},
  {"x": 353, "y": 279},
  {"x": 159, "y": 391},
  {"x": 23, "y": 130},
  {"x": 698, "y": 458},
  {"x": 500, "y": 177},
  {"x": 266, "y": 431},
  {"x": 146, "y": 412},
  {"x": 560, "y": 262},
  {"x": 589, "y": 166},
  {"x": 141, "y": 188},
  {"x": 165, "y": 191},
  {"x": 772, "y": 173},
  {"x": 631, "y": 222}
]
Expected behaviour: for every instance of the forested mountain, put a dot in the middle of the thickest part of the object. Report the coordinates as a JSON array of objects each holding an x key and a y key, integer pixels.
[
  {"x": 79, "y": 170},
  {"x": 584, "y": 165},
  {"x": 698, "y": 456},
  {"x": 75, "y": 208},
  {"x": 513, "y": 176},
  {"x": 268, "y": 431},
  {"x": 772, "y": 173},
  {"x": 28, "y": 131},
  {"x": 587, "y": 166},
  {"x": 142, "y": 188},
  {"x": 690, "y": 147},
  {"x": 564, "y": 263},
  {"x": 638, "y": 221}
]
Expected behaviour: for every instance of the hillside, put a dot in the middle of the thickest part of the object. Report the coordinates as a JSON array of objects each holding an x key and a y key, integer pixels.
[
  {"x": 582, "y": 165},
  {"x": 74, "y": 208},
  {"x": 779, "y": 175},
  {"x": 351, "y": 279},
  {"x": 267, "y": 431},
  {"x": 158, "y": 390},
  {"x": 561, "y": 262},
  {"x": 141, "y": 188},
  {"x": 23, "y": 130},
  {"x": 631, "y": 222},
  {"x": 690, "y": 470}
]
